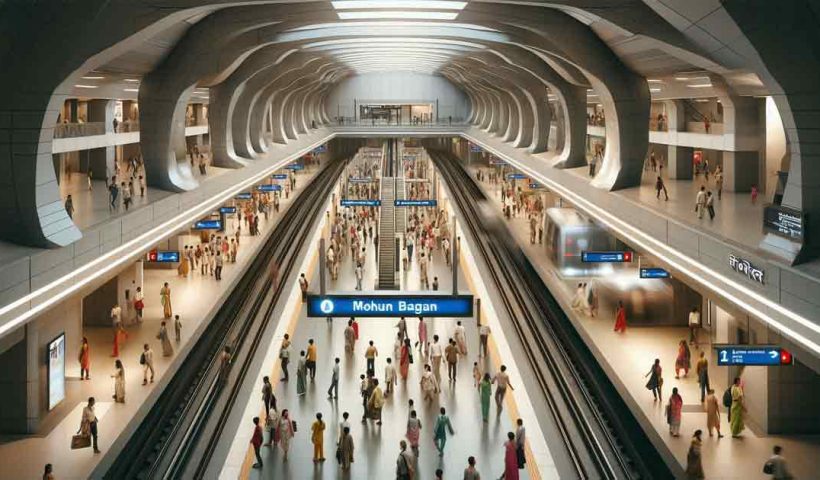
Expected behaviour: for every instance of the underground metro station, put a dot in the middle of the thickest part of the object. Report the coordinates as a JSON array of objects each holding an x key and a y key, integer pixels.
[{"x": 410, "y": 239}]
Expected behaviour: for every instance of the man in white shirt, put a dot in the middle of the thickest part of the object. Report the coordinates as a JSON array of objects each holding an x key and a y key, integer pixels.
[
  {"x": 334, "y": 380},
  {"x": 389, "y": 376},
  {"x": 88, "y": 423},
  {"x": 359, "y": 276},
  {"x": 116, "y": 317},
  {"x": 779, "y": 469},
  {"x": 694, "y": 324},
  {"x": 147, "y": 361},
  {"x": 436, "y": 353},
  {"x": 483, "y": 335},
  {"x": 700, "y": 201}
]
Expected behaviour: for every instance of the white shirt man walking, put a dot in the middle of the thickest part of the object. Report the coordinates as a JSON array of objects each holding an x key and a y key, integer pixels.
[{"x": 147, "y": 362}]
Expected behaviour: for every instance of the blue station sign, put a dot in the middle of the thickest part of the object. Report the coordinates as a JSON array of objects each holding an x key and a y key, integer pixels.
[
  {"x": 244, "y": 196},
  {"x": 227, "y": 210},
  {"x": 295, "y": 166},
  {"x": 496, "y": 161},
  {"x": 753, "y": 355},
  {"x": 208, "y": 225},
  {"x": 279, "y": 176},
  {"x": 606, "y": 257},
  {"x": 320, "y": 149},
  {"x": 517, "y": 176},
  {"x": 269, "y": 188},
  {"x": 475, "y": 148},
  {"x": 390, "y": 305},
  {"x": 345, "y": 202},
  {"x": 415, "y": 203},
  {"x": 654, "y": 272},
  {"x": 163, "y": 256}
]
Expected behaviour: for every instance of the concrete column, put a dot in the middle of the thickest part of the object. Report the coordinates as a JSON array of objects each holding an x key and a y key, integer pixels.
[
  {"x": 741, "y": 170},
  {"x": 223, "y": 101},
  {"x": 101, "y": 161},
  {"x": 102, "y": 111},
  {"x": 679, "y": 162},
  {"x": 573, "y": 101}
]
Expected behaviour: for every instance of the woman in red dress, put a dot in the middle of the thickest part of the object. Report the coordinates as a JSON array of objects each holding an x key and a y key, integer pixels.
[
  {"x": 620, "y": 318},
  {"x": 404, "y": 361},
  {"x": 510, "y": 458}
]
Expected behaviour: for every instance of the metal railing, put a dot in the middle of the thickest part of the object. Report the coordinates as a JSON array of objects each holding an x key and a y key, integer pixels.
[{"x": 71, "y": 130}]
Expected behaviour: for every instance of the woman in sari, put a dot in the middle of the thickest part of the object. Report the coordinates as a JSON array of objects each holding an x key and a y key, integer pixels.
[
  {"x": 285, "y": 432},
  {"x": 346, "y": 449},
  {"x": 404, "y": 359},
  {"x": 184, "y": 266},
  {"x": 683, "y": 360},
  {"x": 119, "y": 382},
  {"x": 485, "y": 391},
  {"x": 510, "y": 458},
  {"x": 301, "y": 374},
  {"x": 85, "y": 359},
  {"x": 674, "y": 412},
  {"x": 167, "y": 348},
  {"x": 414, "y": 432},
  {"x": 165, "y": 300},
  {"x": 738, "y": 409},
  {"x": 620, "y": 317},
  {"x": 120, "y": 336}
]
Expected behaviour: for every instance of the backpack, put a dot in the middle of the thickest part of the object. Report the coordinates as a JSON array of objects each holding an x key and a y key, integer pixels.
[
  {"x": 142, "y": 358},
  {"x": 727, "y": 397}
]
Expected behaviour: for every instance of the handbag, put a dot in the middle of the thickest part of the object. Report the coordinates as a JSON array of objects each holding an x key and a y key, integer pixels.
[
  {"x": 293, "y": 422},
  {"x": 339, "y": 454},
  {"x": 768, "y": 468},
  {"x": 410, "y": 358},
  {"x": 80, "y": 441},
  {"x": 139, "y": 305},
  {"x": 519, "y": 452}
]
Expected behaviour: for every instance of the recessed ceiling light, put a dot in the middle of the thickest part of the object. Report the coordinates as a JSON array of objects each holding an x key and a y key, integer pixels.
[
  {"x": 436, "y": 4},
  {"x": 92, "y": 77},
  {"x": 682, "y": 79},
  {"x": 397, "y": 14},
  {"x": 132, "y": 80},
  {"x": 654, "y": 80},
  {"x": 85, "y": 86},
  {"x": 131, "y": 89},
  {"x": 654, "y": 89},
  {"x": 700, "y": 85}
]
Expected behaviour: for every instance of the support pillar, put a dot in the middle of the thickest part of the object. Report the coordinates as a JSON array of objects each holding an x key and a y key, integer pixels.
[{"x": 679, "y": 162}]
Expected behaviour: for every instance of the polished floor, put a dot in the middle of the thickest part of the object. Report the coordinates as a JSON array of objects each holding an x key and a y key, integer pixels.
[
  {"x": 193, "y": 298},
  {"x": 630, "y": 356}
]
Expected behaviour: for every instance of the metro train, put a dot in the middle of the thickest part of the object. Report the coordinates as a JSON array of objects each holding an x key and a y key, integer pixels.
[{"x": 566, "y": 234}]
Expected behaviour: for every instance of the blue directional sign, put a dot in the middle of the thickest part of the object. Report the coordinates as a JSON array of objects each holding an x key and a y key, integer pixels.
[
  {"x": 654, "y": 272},
  {"x": 295, "y": 166},
  {"x": 243, "y": 196},
  {"x": 759, "y": 355},
  {"x": 517, "y": 176},
  {"x": 535, "y": 186},
  {"x": 475, "y": 148},
  {"x": 320, "y": 149},
  {"x": 497, "y": 161},
  {"x": 415, "y": 203},
  {"x": 390, "y": 305},
  {"x": 269, "y": 188},
  {"x": 606, "y": 257},
  {"x": 227, "y": 210},
  {"x": 208, "y": 225},
  {"x": 279, "y": 176},
  {"x": 360, "y": 203},
  {"x": 166, "y": 256},
  {"x": 359, "y": 179}
]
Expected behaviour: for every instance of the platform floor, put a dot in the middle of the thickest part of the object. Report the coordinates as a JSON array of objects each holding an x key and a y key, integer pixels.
[
  {"x": 737, "y": 219},
  {"x": 92, "y": 207},
  {"x": 632, "y": 353},
  {"x": 192, "y": 298},
  {"x": 376, "y": 447}
]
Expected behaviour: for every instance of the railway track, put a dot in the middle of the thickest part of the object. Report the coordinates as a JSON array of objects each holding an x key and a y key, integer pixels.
[
  {"x": 180, "y": 433},
  {"x": 599, "y": 435}
]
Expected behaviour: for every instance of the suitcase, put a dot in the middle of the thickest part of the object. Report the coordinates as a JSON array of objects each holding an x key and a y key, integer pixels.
[{"x": 80, "y": 441}]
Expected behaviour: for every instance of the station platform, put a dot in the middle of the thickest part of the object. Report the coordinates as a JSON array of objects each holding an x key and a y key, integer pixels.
[
  {"x": 628, "y": 356},
  {"x": 196, "y": 298},
  {"x": 376, "y": 448}
]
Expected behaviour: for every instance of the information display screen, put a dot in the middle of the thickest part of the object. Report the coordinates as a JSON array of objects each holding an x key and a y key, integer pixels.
[
  {"x": 390, "y": 305},
  {"x": 517, "y": 176},
  {"x": 244, "y": 196},
  {"x": 295, "y": 166},
  {"x": 606, "y": 257},
  {"x": 208, "y": 225},
  {"x": 279, "y": 176},
  {"x": 163, "y": 256},
  {"x": 654, "y": 272},
  {"x": 56, "y": 371},
  {"x": 269, "y": 188},
  {"x": 360, "y": 203},
  {"x": 784, "y": 221},
  {"x": 415, "y": 203},
  {"x": 227, "y": 210},
  {"x": 756, "y": 355}
]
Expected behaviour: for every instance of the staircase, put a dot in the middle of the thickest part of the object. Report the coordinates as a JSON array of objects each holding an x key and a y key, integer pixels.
[{"x": 387, "y": 237}]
